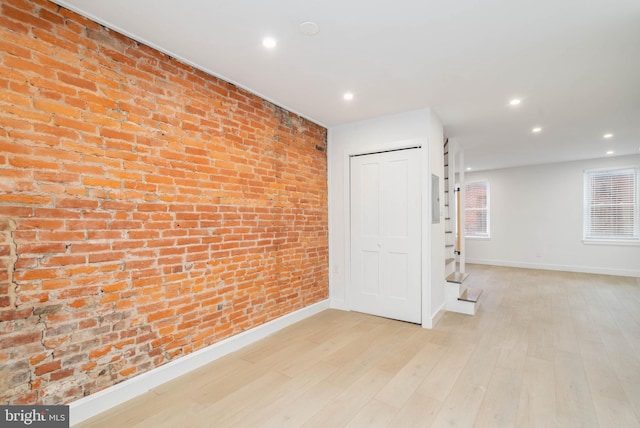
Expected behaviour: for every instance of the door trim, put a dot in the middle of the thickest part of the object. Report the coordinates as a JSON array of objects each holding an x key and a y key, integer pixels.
[{"x": 385, "y": 151}]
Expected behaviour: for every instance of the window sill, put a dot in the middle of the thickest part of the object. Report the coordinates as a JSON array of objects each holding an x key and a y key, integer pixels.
[
  {"x": 478, "y": 238},
  {"x": 632, "y": 243}
]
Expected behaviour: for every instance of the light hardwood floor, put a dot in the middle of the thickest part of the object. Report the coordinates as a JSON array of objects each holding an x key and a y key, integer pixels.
[{"x": 546, "y": 349}]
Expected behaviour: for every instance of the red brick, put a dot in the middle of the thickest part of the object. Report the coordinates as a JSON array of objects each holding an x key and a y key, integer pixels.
[
  {"x": 56, "y": 108},
  {"x": 101, "y": 182},
  {"x": 79, "y": 125},
  {"x": 13, "y": 314},
  {"x": 30, "y": 398},
  {"x": 128, "y": 371},
  {"x": 100, "y": 352},
  {"x": 55, "y": 284},
  {"x": 75, "y": 81},
  {"x": 77, "y": 203},
  {"x": 30, "y": 163},
  {"x": 38, "y": 248},
  {"x": 23, "y": 16},
  {"x": 49, "y": 16},
  {"x": 35, "y": 274},
  {"x": 47, "y": 367},
  {"x": 64, "y": 261},
  {"x": 38, "y": 358},
  {"x": 136, "y": 214},
  {"x": 61, "y": 374}
]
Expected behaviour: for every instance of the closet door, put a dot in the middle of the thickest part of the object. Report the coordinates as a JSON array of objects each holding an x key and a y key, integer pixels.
[{"x": 385, "y": 212}]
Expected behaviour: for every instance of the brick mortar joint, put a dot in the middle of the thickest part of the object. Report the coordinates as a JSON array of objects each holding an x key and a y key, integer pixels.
[
  {"x": 32, "y": 373},
  {"x": 13, "y": 260}
]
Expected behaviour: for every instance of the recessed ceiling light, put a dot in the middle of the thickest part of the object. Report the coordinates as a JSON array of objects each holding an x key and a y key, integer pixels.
[
  {"x": 515, "y": 102},
  {"x": 469, "y": 168},
  {"x": 309, "y": 28},
  {"x": 269, "y": 42},
  {"x": 607, "y": 136},
  {"x": 348, "y": 96},
  {"x": 536, "y": 129},
  {"x": 610, "y": 152}
]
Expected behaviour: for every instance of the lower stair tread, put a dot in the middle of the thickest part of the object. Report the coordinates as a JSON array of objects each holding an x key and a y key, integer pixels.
[
  {"x": 457, "y": 277},
  {"x": 470, "y": 295}
]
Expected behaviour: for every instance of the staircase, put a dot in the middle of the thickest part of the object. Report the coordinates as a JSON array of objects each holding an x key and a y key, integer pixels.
[{"x": 458, "y": 298}]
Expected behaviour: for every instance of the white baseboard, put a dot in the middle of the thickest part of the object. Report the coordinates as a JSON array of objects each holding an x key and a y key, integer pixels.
[
  {"x": 431, "y": 322},
  {"x": 87, "y": 407},
  {"x": 338, "y": 304},
  {"x": 564, "y": 268}
]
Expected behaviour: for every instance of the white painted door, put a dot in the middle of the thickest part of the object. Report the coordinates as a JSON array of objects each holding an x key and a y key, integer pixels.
[{"x": 386, "y": 235}]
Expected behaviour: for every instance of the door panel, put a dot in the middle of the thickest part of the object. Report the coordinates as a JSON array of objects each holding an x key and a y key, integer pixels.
[
  {"x": 370, "y": 268},
  {"x": 386, "y": 235},
  {"x": 398, "y": 266}
]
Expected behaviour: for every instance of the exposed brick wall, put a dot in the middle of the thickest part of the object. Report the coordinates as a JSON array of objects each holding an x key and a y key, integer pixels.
[{"x": 147, "y": 209}]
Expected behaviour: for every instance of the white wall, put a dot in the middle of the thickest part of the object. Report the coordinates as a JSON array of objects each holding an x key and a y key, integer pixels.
[
  {"x": 436, "y": 149},
  {"x": 536, "y": 220},
  {"x": 388, "y": 132}
]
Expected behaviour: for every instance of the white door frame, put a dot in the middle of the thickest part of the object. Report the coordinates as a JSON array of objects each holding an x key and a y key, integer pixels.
[{"x": 426, "y": 224}]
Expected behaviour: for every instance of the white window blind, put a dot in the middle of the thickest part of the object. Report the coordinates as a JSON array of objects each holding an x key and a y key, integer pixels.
[
  {"x": 611, "y": 204},
  {"x": 476, "y": 210}
]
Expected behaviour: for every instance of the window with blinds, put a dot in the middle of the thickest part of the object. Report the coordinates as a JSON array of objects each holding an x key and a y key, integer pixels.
[
  {"x": 611, "y": 205},
  {"x": 476, "y": 210}
]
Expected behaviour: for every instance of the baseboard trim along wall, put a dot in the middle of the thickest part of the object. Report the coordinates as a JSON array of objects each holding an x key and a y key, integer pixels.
[
  {"x": 431, "y": 323},
  {"x": 87, "y": 407},
  {"x": 563, "y": 268},
  {"x": 339, "y": 304}
]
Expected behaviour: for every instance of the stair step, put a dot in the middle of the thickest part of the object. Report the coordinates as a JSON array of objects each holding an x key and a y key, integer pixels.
[
  {"x": 450, "y": 260},
  {"x": 470, "y": 295},
  {"x": 457, "y": 277}
]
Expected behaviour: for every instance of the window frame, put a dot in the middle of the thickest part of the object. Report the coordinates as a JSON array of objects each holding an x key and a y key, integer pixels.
[
  {"x": 486, "y": 208},
  {"x": 587, "y": 232}
]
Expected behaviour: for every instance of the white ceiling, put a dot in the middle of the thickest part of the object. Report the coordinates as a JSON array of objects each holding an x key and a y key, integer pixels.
[{"x": 575, "y": 64}]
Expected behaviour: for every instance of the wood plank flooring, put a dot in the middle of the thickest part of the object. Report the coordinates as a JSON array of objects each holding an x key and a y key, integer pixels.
[{"x": 545, "y": 349}]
